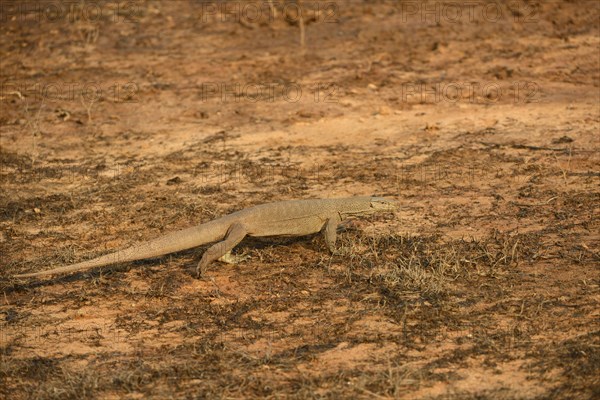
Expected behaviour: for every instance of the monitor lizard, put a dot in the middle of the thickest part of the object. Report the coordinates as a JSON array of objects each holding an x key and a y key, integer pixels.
[{"x": 282, "y": 218}]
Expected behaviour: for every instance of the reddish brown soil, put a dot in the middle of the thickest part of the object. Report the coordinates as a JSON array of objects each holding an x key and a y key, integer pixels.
[{"x": 486, "y": 127}]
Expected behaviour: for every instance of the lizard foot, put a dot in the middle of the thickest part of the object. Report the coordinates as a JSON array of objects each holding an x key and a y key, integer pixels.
[
  {"x": 229, "y": 258},
  {"x": 226, "y": 258},
  {"x": 200, "y": 270}
]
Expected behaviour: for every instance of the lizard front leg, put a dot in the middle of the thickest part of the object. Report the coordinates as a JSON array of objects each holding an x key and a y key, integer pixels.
[
  {"x": 331, "y": 231},
  {"x": 234, "y": 235}
]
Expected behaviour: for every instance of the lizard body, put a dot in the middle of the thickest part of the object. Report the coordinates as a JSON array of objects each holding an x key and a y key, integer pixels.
[{"x": 283, "y": 218}]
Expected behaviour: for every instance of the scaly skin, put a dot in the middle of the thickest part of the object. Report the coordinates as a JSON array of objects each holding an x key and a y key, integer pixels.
[{"x": 283, "y": 218}]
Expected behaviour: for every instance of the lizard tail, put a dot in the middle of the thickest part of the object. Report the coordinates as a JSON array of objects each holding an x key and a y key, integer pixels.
[
  {"x": 107, "y": 259},
  {"x": 170, "y": 243}
]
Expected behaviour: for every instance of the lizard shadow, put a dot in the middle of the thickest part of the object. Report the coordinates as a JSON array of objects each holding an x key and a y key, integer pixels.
[
  {"x": 259, "y": 243},
  {"x": 71, "y": 278},
  {"x": 92, "y": 273}
]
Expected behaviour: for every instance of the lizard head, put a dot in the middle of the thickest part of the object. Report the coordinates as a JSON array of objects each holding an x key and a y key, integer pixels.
[
  {"x": 366, "y": 205},
  {"x": 381, "y": 204}
]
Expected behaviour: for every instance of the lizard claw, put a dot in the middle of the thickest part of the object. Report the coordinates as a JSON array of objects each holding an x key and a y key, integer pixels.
[{"x": 198, "y": 272}]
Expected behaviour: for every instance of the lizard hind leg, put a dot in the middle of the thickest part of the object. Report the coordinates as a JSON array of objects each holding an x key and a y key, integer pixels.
[{"x": 235, "y": 234}]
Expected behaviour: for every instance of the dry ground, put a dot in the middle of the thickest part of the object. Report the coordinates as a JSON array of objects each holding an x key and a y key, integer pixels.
[{"x": 158, "y": 115}]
